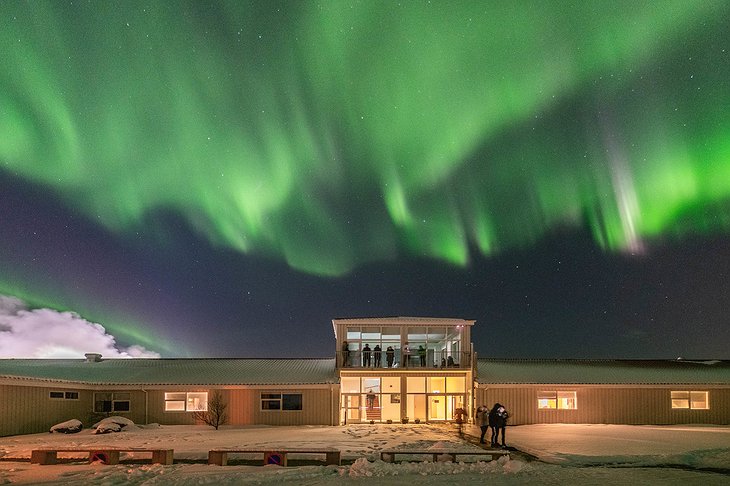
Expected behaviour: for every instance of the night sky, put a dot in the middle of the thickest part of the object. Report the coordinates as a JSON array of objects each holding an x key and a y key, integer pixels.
[{"x": 224, "y": 178}]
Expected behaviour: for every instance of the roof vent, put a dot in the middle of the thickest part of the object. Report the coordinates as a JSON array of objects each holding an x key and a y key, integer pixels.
[{"x": 93, "y": 357}]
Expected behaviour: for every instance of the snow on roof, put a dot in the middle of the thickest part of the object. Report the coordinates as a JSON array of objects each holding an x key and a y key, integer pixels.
[
  {"x": 583, "y": 371},
  {"x": 183, "y": 371}
]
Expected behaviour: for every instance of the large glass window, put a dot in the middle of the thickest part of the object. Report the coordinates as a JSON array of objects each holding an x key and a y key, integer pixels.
[
  {"x": 436, "y": 384},
  {"x": 391, "y": 384},
  {"x": 371, "y": 384},
  {"x": 281, "y": 401},
  {"x": 350, "y": 384},
  {"x": 563, "y": 400},
  {"x": 441, "y": 346},
  {"x": 416, "y": 384},
  {"x": 112, "y": 402},
  {"x": 186, "y": 401},
  {"x": 455, "y": 384},
  {"x": 696, "y": 400}
]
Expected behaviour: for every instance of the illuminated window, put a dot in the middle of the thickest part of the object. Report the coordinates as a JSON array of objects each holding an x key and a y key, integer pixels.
[
  {"x": 349, "y": 384},
  {"x": 186, "y": 402},
  {"x": 112, "y": 402},
  {"x": 416, "y": 384},
  {"x": 436, "y": 384},
  {"x": 281, "y": 401},
  {"x": 695, "y": 400},
  {"x": 560, "y": 400},
  {"x": 455, "y": 384}
]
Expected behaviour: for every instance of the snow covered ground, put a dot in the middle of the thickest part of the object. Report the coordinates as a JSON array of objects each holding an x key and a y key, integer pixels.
[{"x": 554, "y": 454}]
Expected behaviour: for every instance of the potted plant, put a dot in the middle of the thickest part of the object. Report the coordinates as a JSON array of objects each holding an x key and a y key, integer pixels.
[
  {"x": 389, "y": 421},
  {"x": 404, "y": 420},
  {"x": 418, "y": 421}
]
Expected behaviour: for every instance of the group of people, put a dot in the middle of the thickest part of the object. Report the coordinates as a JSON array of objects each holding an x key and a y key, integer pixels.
[
  {"x": 372, "y": 356},
  {"x": 496, "y": 418}
]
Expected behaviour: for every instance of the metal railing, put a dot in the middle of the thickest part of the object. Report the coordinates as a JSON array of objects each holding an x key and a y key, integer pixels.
[{"x": 431, "y": 360}]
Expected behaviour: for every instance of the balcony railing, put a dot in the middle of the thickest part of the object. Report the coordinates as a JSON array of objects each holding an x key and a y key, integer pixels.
[{"x": 432, "y": 360}]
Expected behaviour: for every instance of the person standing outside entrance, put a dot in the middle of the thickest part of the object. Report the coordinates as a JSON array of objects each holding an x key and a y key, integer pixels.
[
  {"x": 498, "y": 421},
  {"x": 483, "y": 421}
]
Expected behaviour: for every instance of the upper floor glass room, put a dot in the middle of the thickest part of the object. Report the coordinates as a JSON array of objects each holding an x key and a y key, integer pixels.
[{"x": 403, "y": 343}]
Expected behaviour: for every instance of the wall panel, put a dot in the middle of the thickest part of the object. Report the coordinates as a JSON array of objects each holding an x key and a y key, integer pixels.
[{"x": 608, "y": 404}]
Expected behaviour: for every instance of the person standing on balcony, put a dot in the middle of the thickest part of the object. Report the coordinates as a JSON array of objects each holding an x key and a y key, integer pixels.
[
  {"x": 422, "y": 356},
  {"x": 345, "y": 354},
  {"x": 405, "y": 354},
  {"x": 366, "y": 356},
  {"x": 390, "y": 356},
  {"x": 377, "y": 356}
]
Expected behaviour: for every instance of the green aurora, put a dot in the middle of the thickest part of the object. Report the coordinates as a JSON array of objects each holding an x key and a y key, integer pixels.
[{"x": 333, "y": 134}]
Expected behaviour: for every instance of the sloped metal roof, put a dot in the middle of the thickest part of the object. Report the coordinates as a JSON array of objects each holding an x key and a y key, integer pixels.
[
  {"x": 403, "y": 320},
  {"x": 575, "y": 371},
  {"x": 188, "y": 371}
]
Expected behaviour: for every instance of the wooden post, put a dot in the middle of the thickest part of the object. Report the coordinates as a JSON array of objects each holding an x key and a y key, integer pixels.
[
  {"x": 162, "y": 456},
  {"x": 43, "y": 457},
  {"x": 219, "y": 458}
]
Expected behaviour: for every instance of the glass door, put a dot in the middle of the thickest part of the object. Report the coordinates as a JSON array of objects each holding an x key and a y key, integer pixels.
[{"x": 351, "y": 411}]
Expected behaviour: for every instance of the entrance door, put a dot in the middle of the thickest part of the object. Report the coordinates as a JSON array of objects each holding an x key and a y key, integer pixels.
[
  {"x": 443, "y": 407},
  {"x": 436, "y": 407},
  {"x": 350, "y": 409}
]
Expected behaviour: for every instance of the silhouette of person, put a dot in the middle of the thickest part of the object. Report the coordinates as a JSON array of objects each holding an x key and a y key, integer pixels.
[
  {"x": 366, "y": 356},
  {"x": 390, "y": 356}
]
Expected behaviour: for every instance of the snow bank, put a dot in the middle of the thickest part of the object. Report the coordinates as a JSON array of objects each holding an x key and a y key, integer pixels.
[{"x": 68, "y": 427}]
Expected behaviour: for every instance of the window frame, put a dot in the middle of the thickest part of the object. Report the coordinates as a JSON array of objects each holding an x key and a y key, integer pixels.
[
  {"x": 272, "y": 398},
  {"x": 553, "y": 397},
  {"x": 183, "y": 400},
  {"x": 65, "y": 395},
  {"x": 113, "y": 401},
  {"x": 674, "y": 396}
]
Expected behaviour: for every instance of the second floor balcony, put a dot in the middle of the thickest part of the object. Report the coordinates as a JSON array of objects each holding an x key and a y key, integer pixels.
[{"x": 428, "y": 359}]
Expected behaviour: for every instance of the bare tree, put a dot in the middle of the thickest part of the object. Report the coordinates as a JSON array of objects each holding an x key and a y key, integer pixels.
[{"x": 216, "y": 414}]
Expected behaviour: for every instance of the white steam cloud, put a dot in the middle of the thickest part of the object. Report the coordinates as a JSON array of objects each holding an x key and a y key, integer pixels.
[{"x": 46, "y": 333}]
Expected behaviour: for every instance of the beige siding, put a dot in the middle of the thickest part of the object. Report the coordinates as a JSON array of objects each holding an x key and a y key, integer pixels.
[
  {"x": 28, "y": 410},
  {"x": 615, "y": 405},
  {"x": 319, "y": 407}
]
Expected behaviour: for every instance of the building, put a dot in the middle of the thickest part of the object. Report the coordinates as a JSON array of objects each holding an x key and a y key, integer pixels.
[
  {"x": 431, "y": 373},
  {"x": 607, "y": 391}
]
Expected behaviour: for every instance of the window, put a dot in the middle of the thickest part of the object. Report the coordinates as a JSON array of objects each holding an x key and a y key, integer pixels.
[
  {"x": 436, "y": 384},
  {"x": 561, "y": 400},
  {"x": 63, "y": 395},
  {"x": 281, "y": 401},
  {"x": 416, "y": 384},
  {"x": 695, "y": 400},
  {"x": 112, "y": 402},
  {"x": 186, "y": 402}
]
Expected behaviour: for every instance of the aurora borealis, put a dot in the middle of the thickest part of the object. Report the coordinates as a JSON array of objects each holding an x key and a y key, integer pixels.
[{"x": 168, "y": 167}]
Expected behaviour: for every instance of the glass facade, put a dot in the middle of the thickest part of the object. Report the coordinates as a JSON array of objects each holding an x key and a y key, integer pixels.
[{"x": 432, "y": 346}]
